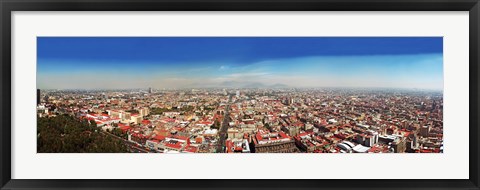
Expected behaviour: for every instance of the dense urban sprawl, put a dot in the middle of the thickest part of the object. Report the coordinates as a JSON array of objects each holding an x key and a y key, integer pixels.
[{"x": 326, "y": 120}]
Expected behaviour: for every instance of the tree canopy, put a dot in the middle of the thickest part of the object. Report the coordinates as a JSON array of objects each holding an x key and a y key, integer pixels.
[{"x": 66, "y": 134}]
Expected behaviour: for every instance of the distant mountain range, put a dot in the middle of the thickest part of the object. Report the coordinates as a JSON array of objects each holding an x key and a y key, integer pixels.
[{"x": 236, "y": 84}]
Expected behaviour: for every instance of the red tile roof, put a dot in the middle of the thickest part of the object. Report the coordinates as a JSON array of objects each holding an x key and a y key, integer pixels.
[
  {"x": 159, "y": 137},
  {"x": 190, "y": 149},
  {"x": 177, "y": 145}
]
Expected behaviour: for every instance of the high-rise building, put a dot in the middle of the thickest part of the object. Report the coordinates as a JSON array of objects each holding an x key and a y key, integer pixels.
[
  {"x": 150, "y": 90},
  {"x": 38, "y": 96}
]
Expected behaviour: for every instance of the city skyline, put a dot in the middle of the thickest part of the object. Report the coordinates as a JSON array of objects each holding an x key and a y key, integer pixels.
[
  {"x": 240, "y": 95},
  {"x": 239, "y": 62}
]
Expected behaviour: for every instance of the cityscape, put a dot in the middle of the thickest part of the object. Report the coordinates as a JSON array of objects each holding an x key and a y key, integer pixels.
[{"x": 239, "y": 95}]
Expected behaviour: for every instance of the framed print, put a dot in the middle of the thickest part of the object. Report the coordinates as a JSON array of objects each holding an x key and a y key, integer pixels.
[{"x": 239, "y": 94}]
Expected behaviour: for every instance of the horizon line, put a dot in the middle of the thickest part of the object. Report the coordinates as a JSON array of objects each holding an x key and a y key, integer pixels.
[{"x": 260, "y": 88}]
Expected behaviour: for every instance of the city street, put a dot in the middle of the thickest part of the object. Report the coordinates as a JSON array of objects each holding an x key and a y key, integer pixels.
[{"x": 224, "y": 126}]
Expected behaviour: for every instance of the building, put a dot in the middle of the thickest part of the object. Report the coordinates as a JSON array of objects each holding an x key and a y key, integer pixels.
[
  {"x": 125, "y": 116},
  {"x": 38, "y": 96},
  {"x": 46, "y": 99},
  {"x": 291, "y": 130},
  {"x": 346, "y": 146},
  {"x": 150, "y": 90},
  {"x": 42, "y": 111},
  {"x": 237, "y": 146},
  {"x": 138, "y": 138},
  {"x": 190, "y": 149},
  {"x": 234, "y": 133},
  {"x": 278, "y": 142},
  {"x": 369, "y": 141},
  {"x": 174, "y": 143},
  {"x": 414, "y": 141},
  {"x": 152, "y": 144},
  {"x": 155, "y": 142},
  {"x": 360, "y": 138},
  {"x": 309, "y": 142},
  {"x": 399, "y": 145},
  {"x": 424, "y": 131},
  {"x": 136, "y": 118},
  {"x": 360, "y": 149},
  {"x": 144, "y": 111}
]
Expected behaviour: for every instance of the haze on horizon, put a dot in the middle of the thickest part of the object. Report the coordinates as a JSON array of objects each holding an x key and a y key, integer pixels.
[{"x": 239, "y": 62}]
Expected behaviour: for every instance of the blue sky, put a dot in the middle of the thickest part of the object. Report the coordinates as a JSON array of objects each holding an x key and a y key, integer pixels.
[{"x": 195, "y": 62}]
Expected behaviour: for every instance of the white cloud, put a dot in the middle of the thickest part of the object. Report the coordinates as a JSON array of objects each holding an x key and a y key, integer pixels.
[
  {"x": 242, "y": 75},
  {"x": 223, "y": 67}
]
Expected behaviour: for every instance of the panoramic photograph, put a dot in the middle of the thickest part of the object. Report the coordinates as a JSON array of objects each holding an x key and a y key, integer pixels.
[{"x": 239, "y": 95}]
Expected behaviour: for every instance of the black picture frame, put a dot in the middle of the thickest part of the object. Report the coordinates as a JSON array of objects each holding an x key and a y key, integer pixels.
[{"x": 7, "y": 6}]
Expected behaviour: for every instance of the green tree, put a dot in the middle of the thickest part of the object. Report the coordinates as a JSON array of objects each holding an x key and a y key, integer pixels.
[{"x": 65, "y": 133}]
